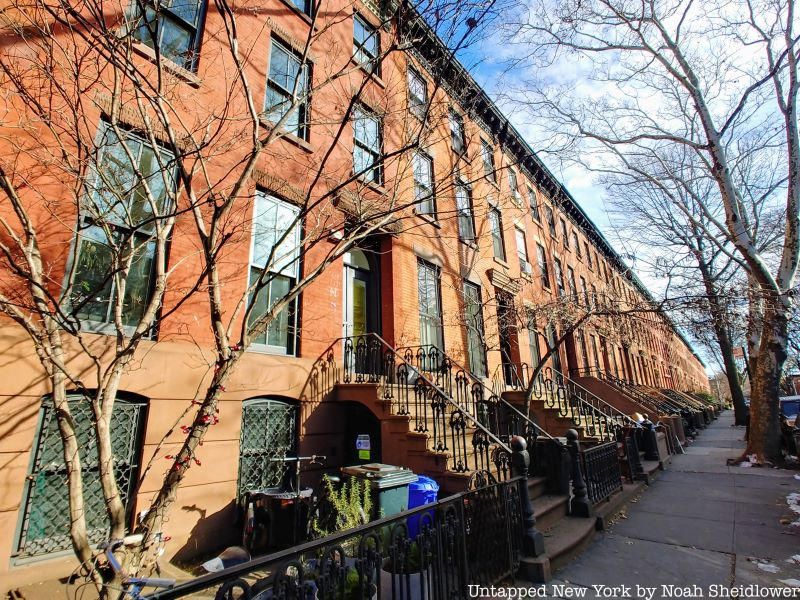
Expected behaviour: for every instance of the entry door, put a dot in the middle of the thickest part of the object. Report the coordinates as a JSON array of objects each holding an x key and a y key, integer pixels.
[
  {"x": 507, "y": 330},
  {"x": 356, "y": 295}
]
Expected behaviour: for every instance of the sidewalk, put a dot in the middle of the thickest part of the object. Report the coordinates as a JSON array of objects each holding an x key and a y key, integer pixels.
[{"x": 700, "y": 523}]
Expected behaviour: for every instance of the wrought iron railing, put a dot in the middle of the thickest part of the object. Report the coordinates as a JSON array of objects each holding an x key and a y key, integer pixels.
[
  {"x": 601, "y": 471},
  {"x": 440, "y": 403},
  {"x": 493, "y": 411},
  {"x": 434, "y": 552},
  {"x": 648, "y": 402}
]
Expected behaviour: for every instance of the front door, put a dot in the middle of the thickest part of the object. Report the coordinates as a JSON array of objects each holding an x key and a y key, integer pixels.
[{"x": 360, "y": 296}]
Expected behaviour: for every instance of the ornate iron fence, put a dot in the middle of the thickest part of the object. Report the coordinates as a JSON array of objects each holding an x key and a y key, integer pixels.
[
  {"x": 601, "y": 471},
  {"x": 437, "y": 401},
  {"x": 432, "y": 552}
]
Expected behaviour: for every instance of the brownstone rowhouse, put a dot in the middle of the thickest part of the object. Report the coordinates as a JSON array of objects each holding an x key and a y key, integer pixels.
[{"x": 495, "y": 234}]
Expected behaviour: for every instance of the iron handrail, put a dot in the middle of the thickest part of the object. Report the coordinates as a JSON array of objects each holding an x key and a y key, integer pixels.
[
  {"x": 611, "y": 410},
  {"x": 484, "y": 388},
  {"x": 628, "y": 388},
  {"x": 477, "y": 424}
]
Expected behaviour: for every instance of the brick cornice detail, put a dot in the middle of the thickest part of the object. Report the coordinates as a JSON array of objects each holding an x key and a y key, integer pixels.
[{"x": 279, "y": 187}]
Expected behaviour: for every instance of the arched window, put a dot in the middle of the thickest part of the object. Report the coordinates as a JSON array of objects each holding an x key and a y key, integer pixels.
[
  {"x": 269, "y": 431},
  {"x": 45, "y": 518}
]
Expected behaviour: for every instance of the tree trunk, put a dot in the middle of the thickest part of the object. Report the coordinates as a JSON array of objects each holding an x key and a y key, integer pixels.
[
  {"x": 765, "y": 429},
  {"x": 732, "y": 375}
]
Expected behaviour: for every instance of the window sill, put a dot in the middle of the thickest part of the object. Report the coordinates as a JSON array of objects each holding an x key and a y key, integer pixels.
[
  {"x": 375, "y": 187},
  {"x": 373, "y": 76},
  {"x": 268, "y": 350},
  {"x": 428, "y": 219},
  {"x": 285, "y": 135},
  {"x": 501, "y": 262},
  {"x": 298, "y": 12},
  {"x": 177, "y": 70},
  {"x": 470, "y": 243},
  {"x": 526, "y": 276}
]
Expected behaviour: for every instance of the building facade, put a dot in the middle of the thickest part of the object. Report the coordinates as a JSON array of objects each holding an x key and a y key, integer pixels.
[{"x": 481, "y": 252}]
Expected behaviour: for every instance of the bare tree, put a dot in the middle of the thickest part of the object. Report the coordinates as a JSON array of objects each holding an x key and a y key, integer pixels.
[{"x": 703, "y": 78}]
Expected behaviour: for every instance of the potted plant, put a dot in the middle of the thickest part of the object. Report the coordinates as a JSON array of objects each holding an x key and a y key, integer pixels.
[{"x": 406, "y": 567}]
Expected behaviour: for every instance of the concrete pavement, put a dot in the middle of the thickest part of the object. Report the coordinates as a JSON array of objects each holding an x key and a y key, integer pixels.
[{"x": 700, "y": 523}]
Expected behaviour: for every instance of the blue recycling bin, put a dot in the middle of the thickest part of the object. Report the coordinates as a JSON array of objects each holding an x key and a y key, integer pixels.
[{"x": 420, "y": 492}]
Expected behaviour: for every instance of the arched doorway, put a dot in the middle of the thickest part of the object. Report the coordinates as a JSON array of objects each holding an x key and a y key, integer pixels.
[{"x": 361, "y": 293}]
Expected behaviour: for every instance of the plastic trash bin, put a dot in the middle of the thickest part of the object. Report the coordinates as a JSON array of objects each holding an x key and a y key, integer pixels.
[
  {"x": 389, "y": 486},
  {"x": 423, "y": 491}
]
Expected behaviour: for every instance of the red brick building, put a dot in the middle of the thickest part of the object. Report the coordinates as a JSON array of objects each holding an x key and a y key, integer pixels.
[{"x": 488, "y": 258}]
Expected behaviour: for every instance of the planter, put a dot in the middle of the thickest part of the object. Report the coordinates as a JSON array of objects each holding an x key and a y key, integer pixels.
[{"x": 413, "y": 586}]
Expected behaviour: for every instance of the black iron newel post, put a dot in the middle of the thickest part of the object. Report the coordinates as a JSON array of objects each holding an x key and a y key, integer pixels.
[
  {"x": 533, "y": 541},
  {"x": 651, "y": 440},
  {"x": 579, "y": 506}
]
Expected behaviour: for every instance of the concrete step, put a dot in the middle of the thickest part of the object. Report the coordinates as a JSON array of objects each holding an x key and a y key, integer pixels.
[
  {"x": 536, "y": 486},
  {"x": 549, "y": 510},
  {"x": 562, "y": 542}
]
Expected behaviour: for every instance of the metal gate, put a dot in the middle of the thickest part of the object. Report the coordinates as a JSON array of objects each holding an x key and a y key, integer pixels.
[
  {"x": 269, "y": 431},
  {"x": 45, "y": 520}
]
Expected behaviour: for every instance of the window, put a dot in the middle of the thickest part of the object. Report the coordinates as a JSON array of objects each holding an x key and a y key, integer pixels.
[
  {"x": 551, "y": 221},
  {"x": 595, "y": 354},
  {"x": 473, "y": 315},
  {"x": 367, "y": 145},
  {"x": 466, "y": 225},
  {"x": 576, "y": 245},
  {"x": 366, "y": 44},
  {"x": 534, "y": 205},
  {"x": 417, "y": 94},
  {"x": 522, "y": 251},
  {"x": 44, "y": 515},
  {"x": 573, "y": 289},
  {"x": 274, "y": 268},
  {"x": 584, "y": 352},
  {"x": 423, "y": 184},
  {"x": 552, "y": 344},
  {"x": 512, "y": 184},
  {"x": 487, "y": 155},
  {"x": 559, "y": 276},
  {"x": 287, "y": 83},
  {"x": 588, "y": 256},
  {"x": 457, "y": 132},
  {"x": 585, "y": 292},
  {"x": 544, "y": 271},
  {"x": 594, "y": 304},
  {"x": 170, "y": 28},
  {"x": 304, "y": 6},
  {"x": 116, "y": 209},
  {"x": 533, "y": 340},
  {"x": 268, "y": 435},
  {"x": 430, "y": 305},
  {"x": 496, "y": 225},
  {"x": 564, "y": 234}
]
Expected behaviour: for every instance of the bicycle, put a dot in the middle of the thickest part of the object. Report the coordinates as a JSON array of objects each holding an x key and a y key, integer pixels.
[{"x": 131, "y": 587}]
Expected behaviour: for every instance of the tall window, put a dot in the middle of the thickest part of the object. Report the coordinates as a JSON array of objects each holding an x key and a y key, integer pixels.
[
  {"x": 533, "y": 340},
  {"x": 496, "y": 225},
  {"x": 564, "y": 234},
  {"x": 573, "y": 288},
  {"x": 287, "y": 83},
  {"x": 457, "y": 132},
  {"x": 588, "y": 255},
  {"x": 544, "y": 271},
  {"x": 274, "y": 268},
  {"x": 584, "y": 352},
  {"x": 595, "y": 354},
  {"x": 522, "y": 251},
  {"x": 512, "y": 184},
  {"x": 303, "y": 6},
  {"x": 366, "y": 44},
  {"x": 595, "y": 299},
  {"x": 367, "y": 145},
  {"x": 552, "y": 340},
  {"x": 417, "y": 93},
  {"x": 423, "y": 184},
  {"x": 487, "y": 155},
  {"x": 559, "y": 273},
  {"x": 466, "y": 224},
  {"x": 116, "y": 209},
  {"x": 576, "y": 245},
  {"x": 170, "y": 28},
  {"x": 473, "y": 315},
  {"x": 534, "y": 205},
  {"x": 585, "y": 292},
  {"x": 430, "y": 305},
  {"x": 551, "y": 220}
]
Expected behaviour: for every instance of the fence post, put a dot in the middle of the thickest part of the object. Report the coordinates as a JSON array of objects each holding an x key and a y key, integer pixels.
[
  {"x": 651, "y": 440},
  {"x": 579, "y": 506},
  {"x": 533, "y": 540}
]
